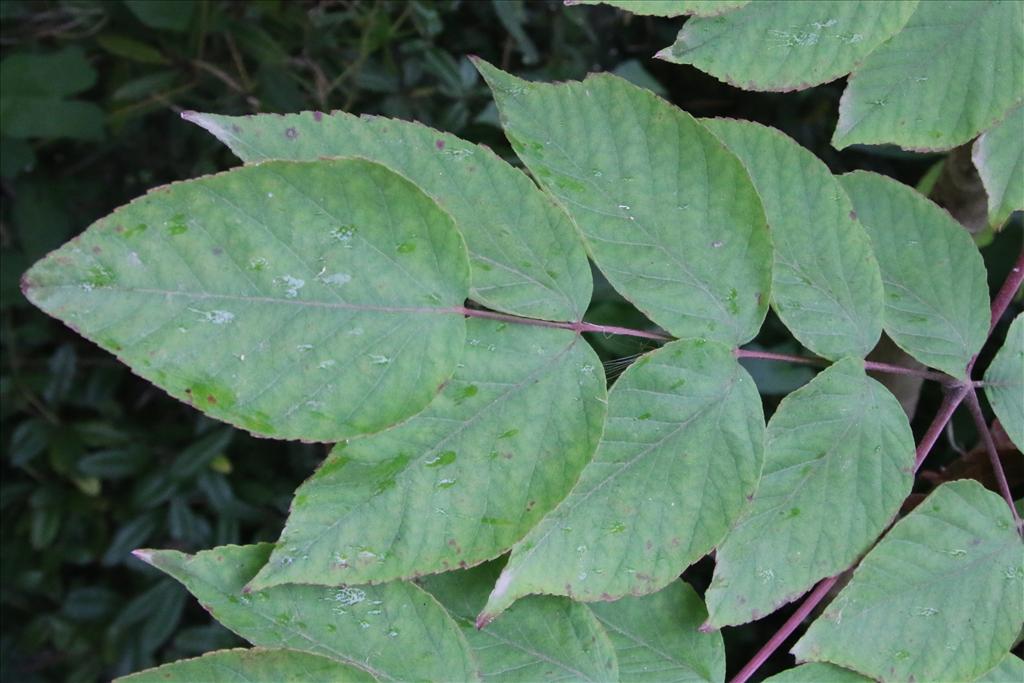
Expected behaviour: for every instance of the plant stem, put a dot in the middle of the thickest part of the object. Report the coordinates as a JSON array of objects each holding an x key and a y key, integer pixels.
[
  {"x": 993, "y": 455},
  {"x": 797, "y": 618},
  {"x": 949, "y": 403},
  {"x": 868, "y": 365},
  {"x": 1008, "y": 290}
]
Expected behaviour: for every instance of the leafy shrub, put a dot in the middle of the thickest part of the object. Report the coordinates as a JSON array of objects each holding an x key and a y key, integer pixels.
[{"x": 416, "y": 299}]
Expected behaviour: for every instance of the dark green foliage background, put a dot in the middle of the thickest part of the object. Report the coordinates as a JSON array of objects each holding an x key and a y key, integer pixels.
[{"x": 97, "y": 462}]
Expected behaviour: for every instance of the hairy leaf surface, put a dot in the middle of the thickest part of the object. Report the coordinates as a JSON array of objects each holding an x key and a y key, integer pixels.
[
  {"x": 541, "y": 638},
  {"x": 463, "y": 480},
  {"x": 941, "y": 597},
  {"x": 682, "y": 450},
  {"x": 256, "y": 665},
  {"x": 999, "y": 156},
  {"x": 936, "y": 290},
  {"x": 784, "y": 45},
  {"x": 826, "y": 285},
  {"x": 840, "y": 443},
  {"x": 525, "y": 255},
  {"x": 1004, "y": 383},
  {"x": 954, "y": 70},
  {"x": 816, "y": 672},
  {"x": 669, "y": 215},
  {"x": 395, "y": 631},
  {"x": 669, "y": 8},
  {"x": 657, "y": 638},
  {"x": 298, "y": 300}
]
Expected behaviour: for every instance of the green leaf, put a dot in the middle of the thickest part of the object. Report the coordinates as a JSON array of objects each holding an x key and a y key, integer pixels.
[
  {"x": 826, "y": 285},
  {"x": 257, "y": 665},
  {"x": 463, "y": 480},
  {"x": 1004, "y": 383},
  {"x": 170, "y": 15},
  {"x": 682, "y": 450},
  {"x": 999, "y": 156},
  {"x": 936, "y": 291},
  {"x": 541, "y": 638},
  {"x": 395, "y": 631},
  {"x": 941, "y": 597},
  {"x": 669, "y": 8},
  {"x": 525, "y": 255},
  {"x": 816, "y": 672},
  {"x": 35, "y": 87},
  {"x": 784, "y": 45},
  {"x": 842, "y": 442},
  {"x": 298, "y": 300},
  {"x": 954, "y": 70},
  {"x": 669, "y": 215},
  {"x": 1009, "y": 670},
  {"x": 656, "y": 637},
  {"x": 129, "y": 48}
]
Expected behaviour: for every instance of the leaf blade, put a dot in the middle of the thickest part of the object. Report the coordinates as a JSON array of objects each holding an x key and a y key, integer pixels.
[
  {"x": 206, "y": 267},
  {"x": 259, "y": 665},
  {"x": 1004, "y": 382},
  {"x": 656, "y": 217},
  {"x": 998, "y": 154},
  {"x": 948, "y": 583}
]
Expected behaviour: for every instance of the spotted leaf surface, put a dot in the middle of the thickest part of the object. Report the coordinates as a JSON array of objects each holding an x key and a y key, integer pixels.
[
  {"x": 941, "y": 597},
  {"x": 257, "y": 665},
  {"x": 681, "y": 451},
  {"x": 395, "y": 631},
  {"x": 936, "y": 291},
  {"x": 669, "y": 215},
  {"x": 657, "y": 639},
  {"x": 999, "y": 156},
  {"x": 955, "y": 69},
  {"x": 541, "y": 638},
  {"x": 841, "y": 442},
  {"x": 463, "y": 480},
  {"x": 783, "y": 45},
  {"x": 1004, "y": 383},
  {"x": 307, "y": 301},
  {"x": 525, "y": 255},
  {"x": 826, "y": 285}
]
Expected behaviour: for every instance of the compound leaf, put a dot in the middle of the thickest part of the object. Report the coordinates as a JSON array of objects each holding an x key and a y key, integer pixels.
[
  {"x": 1004, "y": 383},
  {"x": 669, "y": 8},
  {"x": 941, "y": 597},
  {"x": 669, "y": 215},
  {"x": 954, "y": 70},
  {"x": 681, "y": 452},
  {"x": 540, "y": 638},
  {"x": 461, "y": 481},
  {"x": 395, "y": 631},
  {"x": 657, "y": 638},
  {"x": 783, "y": 45},
  {"x": 999, "y": 156},
  {"x": 842, "y": 442},
  {"x": 936, "y": 291},
  {"x": 256, "y": 665},
  {"x": 826, "y": 286},
  {"x": 309, "y": 301},
  {"x": 525, "y": 255}
]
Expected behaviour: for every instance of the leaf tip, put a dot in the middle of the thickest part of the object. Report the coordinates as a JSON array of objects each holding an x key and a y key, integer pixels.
[
  {"x": 144, "y": 554},
  {"x": 483, "y": 619}
]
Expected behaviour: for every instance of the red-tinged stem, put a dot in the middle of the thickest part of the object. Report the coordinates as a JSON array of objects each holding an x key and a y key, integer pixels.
[
  {"x": 993, "y": 455},
  {"x": 868, "y": 365},
  {"x": 1008, "y": 290},
  {"x": 575, "y": 327},
  {"x": 948, "y": 406},
  {"x": 797, "y": 618}
]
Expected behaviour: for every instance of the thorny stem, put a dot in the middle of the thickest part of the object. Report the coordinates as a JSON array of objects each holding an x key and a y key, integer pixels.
[
  {"x": 581, "y": 326},
  {"x": 993, "y": 455}
]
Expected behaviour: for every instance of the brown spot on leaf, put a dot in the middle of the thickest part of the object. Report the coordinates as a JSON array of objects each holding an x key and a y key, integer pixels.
[
  {"x": 439, "y": 144},
  {"x": 291, "y": 133}
]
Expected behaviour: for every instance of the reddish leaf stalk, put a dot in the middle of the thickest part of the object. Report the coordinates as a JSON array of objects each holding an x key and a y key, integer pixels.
[
  {"x": 1009, "y": 289},
  {"x": 993, "y": 455}
]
